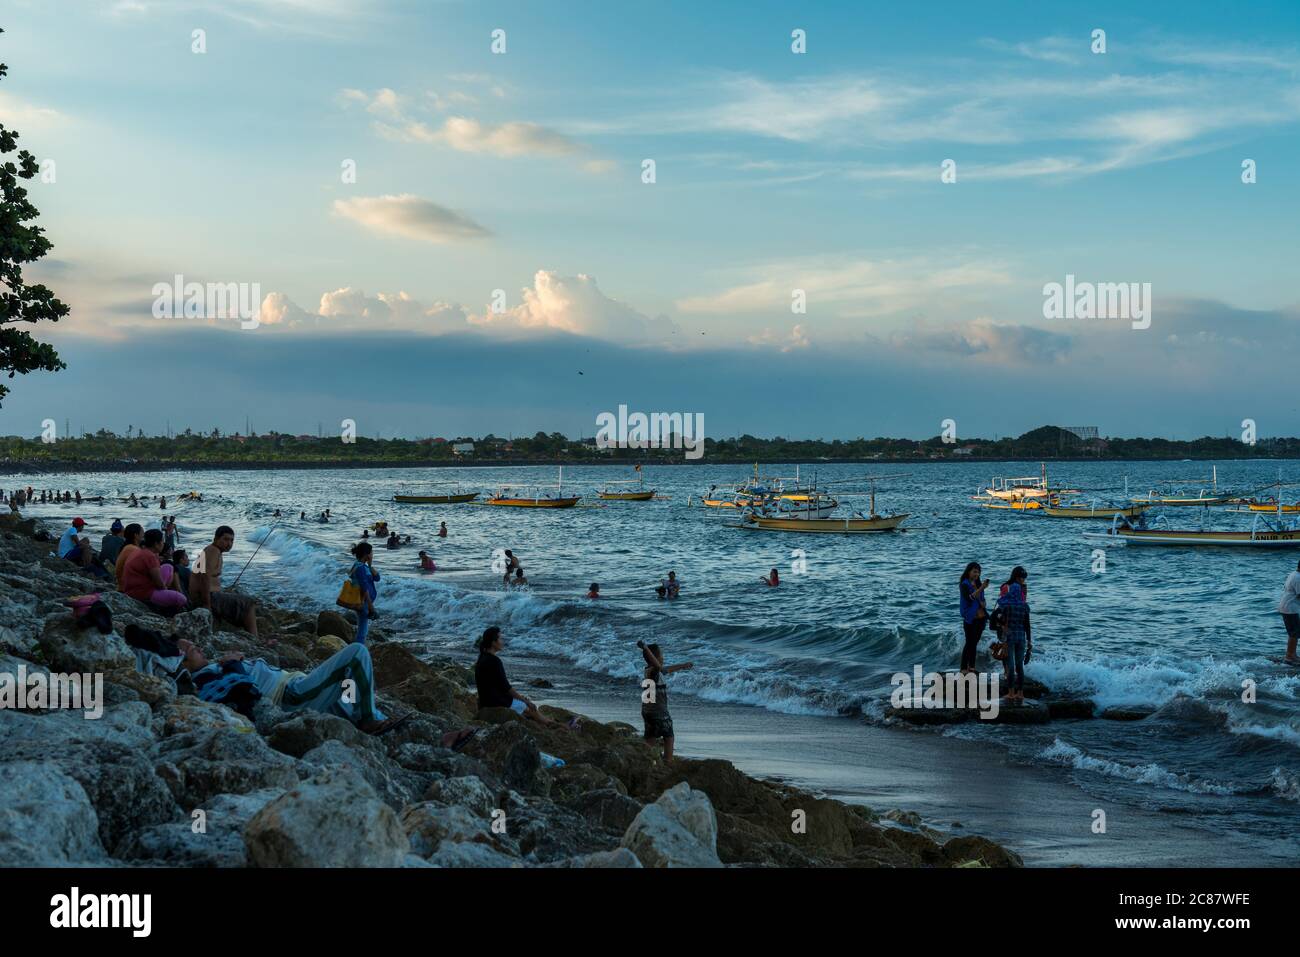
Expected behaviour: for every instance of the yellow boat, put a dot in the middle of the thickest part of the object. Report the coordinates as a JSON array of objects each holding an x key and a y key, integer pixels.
[
  {"x": 1024, "y": 505},
  {"x": 840, "y": 526},
  {"x": 1256, "y": 506},
  {"x": 1090, "y": 511}
]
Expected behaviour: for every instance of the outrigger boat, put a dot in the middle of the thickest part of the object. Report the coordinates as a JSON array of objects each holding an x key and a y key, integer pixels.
[
  {"x": 504, "y": 497},
  {"x": 1262, "y": 534},
  {"x": 453, "y": 498},
  {"x": 1201, "y": 499},
  {"x": 1075, "y": 509},
  {"x": 642, "y": 494},
  {"x": 1021, "y": 494},
  {"x": 857, "y": 524}
]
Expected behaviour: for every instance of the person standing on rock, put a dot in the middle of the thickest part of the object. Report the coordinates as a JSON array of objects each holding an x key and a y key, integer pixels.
[
  {"x": 364, "y": 575},
  {"x": 1015, "y": 632},
  {"x": 343, "y": 684},
  {"x": 974, "y": 613},
  {"x": 654, "y": 697},
  {"x": 494, "y": 688},
  {"x": 205, "y": 585},
  {"x": 1289, "y": 609}
]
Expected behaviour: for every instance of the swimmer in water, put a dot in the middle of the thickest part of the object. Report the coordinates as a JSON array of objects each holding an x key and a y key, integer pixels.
[
  {"x": 771, "y": 580},
  {"x": 519, "y": 578},
  {"x": 442, "y": 530},
  {"x": 426, "y": 563},
  {"x": 594, "y": 591}
]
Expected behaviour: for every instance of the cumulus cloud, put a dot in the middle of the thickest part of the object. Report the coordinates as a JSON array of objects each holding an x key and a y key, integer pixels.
[
  {"x": 349, "y": 308},
  {"x": 410, "y": 216},
  {"x": 796, "y": 338},
  {"x": 1002, "y": 342},
  {"x": 577, "y": 305}
]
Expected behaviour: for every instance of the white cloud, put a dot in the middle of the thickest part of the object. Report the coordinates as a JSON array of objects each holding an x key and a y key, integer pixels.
[
  {"x": 410, "y": 216},
  {"x": 21, "y": 116},
  {"x": 575, "y": 304}
]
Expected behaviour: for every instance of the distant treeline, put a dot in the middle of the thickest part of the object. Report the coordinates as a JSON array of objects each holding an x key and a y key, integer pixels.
[{"x": 105, "y": 450}]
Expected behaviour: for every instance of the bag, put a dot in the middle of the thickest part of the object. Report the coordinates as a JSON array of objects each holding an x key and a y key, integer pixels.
[
  {"x": 995, "y": 620},
  {"x": 998, "y": 650},
  {"x": 232, "y": 689},
  {"x": 349, "y": 596}
]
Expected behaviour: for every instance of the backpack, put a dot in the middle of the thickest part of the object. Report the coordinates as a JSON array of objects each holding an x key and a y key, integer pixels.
[{"x": 233, "y": 689}]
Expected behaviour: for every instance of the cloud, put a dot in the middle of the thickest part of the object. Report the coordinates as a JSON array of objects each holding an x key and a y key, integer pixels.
[
  {"x": 411, "y": 217},
  {"x": 21, "y": 116},
  {"x": 575, "y": 304},
  {"x": 797, "y": 338},
  {"x": 1002, "y": 342}
]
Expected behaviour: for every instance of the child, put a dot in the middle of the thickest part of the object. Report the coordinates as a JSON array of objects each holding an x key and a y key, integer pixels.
[
  {"x": 594, "y": 591},
  {"x": 654, "y": 697},
  {"x": 426, "y": 563}
]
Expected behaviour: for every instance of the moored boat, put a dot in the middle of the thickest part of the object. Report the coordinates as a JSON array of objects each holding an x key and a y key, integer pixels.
[
  {"x": 1091, "y": 510},
  {"x": 435, "y": 499},
  {"x": 841, "y": 526},
  {"x": 1261, "y": 534},
  {"x": 504, "y": 496}
]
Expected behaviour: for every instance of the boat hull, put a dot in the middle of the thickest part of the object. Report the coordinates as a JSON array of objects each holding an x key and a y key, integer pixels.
[
  {"x": 1269, "y": 539},
  {"x": 832, "y": 526},
  {"x": 435, "y": 499},
  {"x": 1066, "y": 511},
  {"x": 533, "y": 502},
  {"x": 627, "y": 496}
]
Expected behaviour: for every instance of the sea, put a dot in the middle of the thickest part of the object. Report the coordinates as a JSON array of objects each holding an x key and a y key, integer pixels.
[{"x": 794, "y": 682}]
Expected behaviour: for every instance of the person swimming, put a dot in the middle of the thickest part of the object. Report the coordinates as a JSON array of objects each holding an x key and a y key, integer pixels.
[
  {"x": 442, "y": 530},
  {"x": 365, "y": 533},
  {"x": 771, "y": 580},
  {"x": 394, "y": 541},
  {"x": 669, "y": 587},
  {"x": 426, "y": 563},
  {"x": 519, "y": 578},
  {"x": 594, "y": 591}
]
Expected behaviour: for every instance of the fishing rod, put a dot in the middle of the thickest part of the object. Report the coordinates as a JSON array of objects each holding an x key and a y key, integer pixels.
[{"x": 255, "y": 551}]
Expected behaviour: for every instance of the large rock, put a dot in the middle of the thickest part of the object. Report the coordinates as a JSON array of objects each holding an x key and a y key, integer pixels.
[
  {"x": 213, "y": 840},
  {"x": 332, "y": 623},
  {"x": 510, "y": 751},
  {"x": 305, "y": 730},
  {"x": 67, "y": 649},
  {"x": 187, "y": 714},
  {"x": 619, "y": 857},
  {"x": 460, "y": 854},
  {"x": 395, "y": 785},
  {"x": 428, "y": 825},
  {"x": 195, "y": 624},
  {"x": 332, "y": 820},
  {"x": 678, "y": 830},
  {"x": 46, "y": 819},
  {"x": 199, "y": 766},
  {"x": 607, "y": 808},
  {"x": 468, "y": 792}
]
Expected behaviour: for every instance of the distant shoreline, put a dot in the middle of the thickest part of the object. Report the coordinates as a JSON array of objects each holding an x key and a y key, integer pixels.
[{"x": 31, "y": 468}]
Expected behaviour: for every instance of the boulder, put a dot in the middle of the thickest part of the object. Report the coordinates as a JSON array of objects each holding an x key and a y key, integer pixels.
[
  {"x": 394, "y": 663},
  {"x": 1071, "y": 708},
  {"x": 511, "y": 753},
  {"x": 326, "y": 646},
  {"x": 201, "y": 765},
  {"x": 427, "y": 825},
  {"x": 1128, "y": 713},
  {"x": 460, "y": 854},
  {"x": 468, "y": 792},
  {"x": 211, "y": 836},
  {"x": 607, "y": 808},
  {"x": 67, "y": 649},
  {"x": 46, "y": 818},
  {"x": 195, "y": 624},
  {"x": 335, "y": 819},
  {"x": 1028, "y": 711},
  {"x": 962, "y": 851},
  {"x": 395, "y": 785},
  {"x": 678, "y": 830},
  {"x": 619, "y": 857},
  {"x": 187, "y": 714},
  {"x": 332, "y": 623},
  {"x": 305, "y": 730}
]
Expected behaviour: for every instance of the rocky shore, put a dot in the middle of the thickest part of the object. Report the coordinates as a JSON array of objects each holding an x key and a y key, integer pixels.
[{"x": 168, "y": 780}]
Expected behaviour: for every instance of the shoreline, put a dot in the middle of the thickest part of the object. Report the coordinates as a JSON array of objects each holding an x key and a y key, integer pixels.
[{"x": 307, "y": 789}]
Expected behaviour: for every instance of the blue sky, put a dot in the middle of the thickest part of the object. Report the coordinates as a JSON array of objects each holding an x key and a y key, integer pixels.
[{"x": 775, "y": 172}]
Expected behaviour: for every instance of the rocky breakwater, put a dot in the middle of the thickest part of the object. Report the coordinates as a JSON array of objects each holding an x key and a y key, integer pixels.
[{"x": 165, "y": 779}]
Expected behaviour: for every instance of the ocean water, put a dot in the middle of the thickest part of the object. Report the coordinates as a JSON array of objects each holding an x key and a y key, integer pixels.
[{"x": 1182, "y": 631}]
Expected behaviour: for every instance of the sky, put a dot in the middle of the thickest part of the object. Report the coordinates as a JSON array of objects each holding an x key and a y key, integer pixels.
[{"x": 450, "y": 230}]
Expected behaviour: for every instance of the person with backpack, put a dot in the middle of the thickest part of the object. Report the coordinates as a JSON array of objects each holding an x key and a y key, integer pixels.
[
  {"x": 1015, "y": 632},
  {"x": 362, "y": 576}
]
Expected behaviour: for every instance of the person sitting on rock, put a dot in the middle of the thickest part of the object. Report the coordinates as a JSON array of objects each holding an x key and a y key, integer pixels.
[
  {"x": 495, "y": 690},
  {"x": 343, "y": 684},
  {"x": 74, "y": 546},
  {"x": 146, "y": 579},
  {"x": 205, "y": 585}
]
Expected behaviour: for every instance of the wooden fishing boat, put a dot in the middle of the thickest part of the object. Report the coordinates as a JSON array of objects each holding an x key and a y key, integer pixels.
[
  {"x": 838, "y": 526},
  {"x": 641, "y": 494},
  {"x": 1254, "y": 505},
  {"x": 1025, "y": 505},
  {"x": 505, "y": 497},
  {"x": 435, "y": 499},
  {"x": 1088, "y": 510},
  {"x": 1178, "y": 501},
  {"x": 1262, "y": 534}
]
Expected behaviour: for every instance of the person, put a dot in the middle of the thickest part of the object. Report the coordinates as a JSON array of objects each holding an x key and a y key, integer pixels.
[
  {"x": 974, "y": 613},
  {"x": 181, "y": 562},
  {"x": 162, "y": 503},
  {"x": 146, "y": 579},
  {"x": 324, "y": 519},
  {"x": 512, "y": 563},
  {"x": 519, "y": 578},
  {"x": 406, "y": 540},
  {"x": 394, "y": 541},
  {"x": 669, "y": 587},
  {"x": 654, "y": 697},
  {"x": 494, "y": 689},
  {"x": 131, "y": 535},
  {"x": 594, "y": 590},
  {"x": 169, "y": 531},
  {"x": 343, "y": 684},
  {"x": 1016, "y": 634},
  {"x": 1289, "y": 609},
  {"x": 276, "y": 513},
  {"x": 77, "y": 497},
  {"x": 111, "y": 543},
  {"x": 442, "y": 530},
  {"x": 426, "y": 563},
  {"x": 74, "y": 546},
  {"x": 205, "y": 585},
  {"x": 364, "y": 575},
  {"x": 365, "y": 533},
  {"x": 302, "y": 516},
  {"x": 771, "y": 580}
]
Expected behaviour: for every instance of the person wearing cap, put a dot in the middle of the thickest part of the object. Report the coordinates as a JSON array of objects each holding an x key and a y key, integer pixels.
[
  {"x": 111, "y": 545},
  {"x": 74, "y": 546}
]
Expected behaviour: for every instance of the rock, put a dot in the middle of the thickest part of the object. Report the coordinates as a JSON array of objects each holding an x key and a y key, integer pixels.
[
  {"x": 219, "y": 843},
  {"x": 66, "y": 649},
  {"x": 201, "y": 765},
  {"x": 607, "y": 808},
  {"x": 468, "y": 792},
  {"x": 428, "y": 825},
  {"x": 541, "y": 683},
  {"x": 122, "y": 787},
  {"x": 395, "y": 785},
  {"x": 394, "y": 663},
  {"x": 335, "y": 819},
  {"x": 1034, "y": 688},
  {"x": 327, "y": 646},
  {"x": 1027, "y": 712},
  {"x": 619, "y": 857},
  {"x": 1127, "y": 713},
  {"x": 459, "y": 854},
  {"x": 572, "y": 781},
  {"x": 962, "y": 851},
  {"x": 1071, "y": 708},
  {"x": 195, "y": 624},
  {"x": 909, "y": 818},
  {"x": 432, "y": 693},
  {"x": 511, "y": 752},
  {"x": 187, "y": 714},
  {"x": 305, "y": 730},
  {"x": 150, "y": 689},
  {"x": 923, "y": 715},
  {"x": 46, "y": 819},
  {"x": 678, "y": 830},
  {"x": 332, "y": 623}
]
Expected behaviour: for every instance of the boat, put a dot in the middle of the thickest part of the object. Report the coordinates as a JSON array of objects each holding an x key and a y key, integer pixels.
[
  {"x": 790, "y": 519},
  {"x": 1025, "y": 505},
  {"x": 642, "y": 494},
  {"x": 435, "y": 499},
  {"x": 1255, "y": 505},
  {"x": 801, "y": 506},
  {"x": 1057, "y": 509},
  {"x": 1200, "y": 499},
  {"x": 504, "y": 496},
  {"x": 1262, "y": 534},
  {"x": 1018, "y": 489}
]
